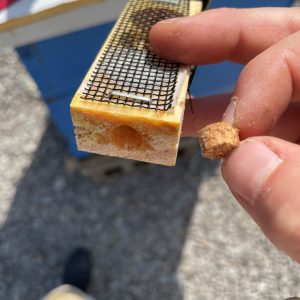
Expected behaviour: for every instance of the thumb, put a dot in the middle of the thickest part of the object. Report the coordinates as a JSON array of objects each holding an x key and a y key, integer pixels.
[{"x": 264, "y": 175}]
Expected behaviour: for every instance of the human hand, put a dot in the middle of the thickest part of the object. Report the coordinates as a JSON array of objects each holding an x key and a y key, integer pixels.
[{"x": 263, "y": 173}]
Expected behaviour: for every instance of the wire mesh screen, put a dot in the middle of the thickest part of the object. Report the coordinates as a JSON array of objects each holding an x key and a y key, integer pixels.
[{"x": 128, "y": 73}]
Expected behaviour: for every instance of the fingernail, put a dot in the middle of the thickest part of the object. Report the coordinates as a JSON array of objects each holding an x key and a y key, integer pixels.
[
  {"x": 248, "y": 168},
  {"x": 229, "y": 114}
]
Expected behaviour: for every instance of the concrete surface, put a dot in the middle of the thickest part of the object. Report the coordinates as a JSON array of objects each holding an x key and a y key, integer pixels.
[{"x": 155, "y": 233}]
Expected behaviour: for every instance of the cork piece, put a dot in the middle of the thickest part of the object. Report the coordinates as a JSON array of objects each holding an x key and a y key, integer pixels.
[{"x": 218, "y": 140}]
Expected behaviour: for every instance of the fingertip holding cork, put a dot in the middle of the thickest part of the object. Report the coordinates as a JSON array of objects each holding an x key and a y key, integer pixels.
[{"x": 218, "y": 140}]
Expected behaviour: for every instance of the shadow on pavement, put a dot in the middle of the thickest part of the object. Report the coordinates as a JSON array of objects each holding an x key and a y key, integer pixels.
[{"x": 135, "y": 225}]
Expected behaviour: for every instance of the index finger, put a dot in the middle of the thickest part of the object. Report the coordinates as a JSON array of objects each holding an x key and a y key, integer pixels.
[{"x": 223, "y": 34}]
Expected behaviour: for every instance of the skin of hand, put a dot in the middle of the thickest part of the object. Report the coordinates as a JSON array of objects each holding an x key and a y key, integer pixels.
[{"x": 263, "y": 173}]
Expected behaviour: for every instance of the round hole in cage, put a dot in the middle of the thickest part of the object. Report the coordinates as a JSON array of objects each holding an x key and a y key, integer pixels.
[{"x": 126, "y": 137}]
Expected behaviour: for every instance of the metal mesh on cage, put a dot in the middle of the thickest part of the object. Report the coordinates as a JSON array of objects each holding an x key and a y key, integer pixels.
[{"x": 128, "y": 72}]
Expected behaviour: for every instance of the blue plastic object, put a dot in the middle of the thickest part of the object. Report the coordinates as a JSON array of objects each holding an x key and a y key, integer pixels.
[{"x": 59, "y": 64}]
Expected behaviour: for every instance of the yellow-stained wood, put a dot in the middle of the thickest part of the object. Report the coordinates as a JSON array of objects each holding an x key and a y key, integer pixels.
[{"x": 136, "y": 133}]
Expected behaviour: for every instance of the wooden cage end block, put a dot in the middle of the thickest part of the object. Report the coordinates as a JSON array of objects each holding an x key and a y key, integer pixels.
[
  {"x": 131, "y": 102},
  {"x": 128, "y": 132}
]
